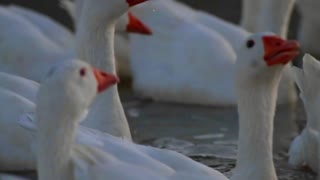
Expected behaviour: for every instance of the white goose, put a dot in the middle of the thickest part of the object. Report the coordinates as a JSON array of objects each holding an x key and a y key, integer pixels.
[
  {"x": 42, "y": 41},
  {"x": 121, "y": 39},
  {"x": 258, "y": 74},
  {"x": 50, "y": 28},
  {"x": 267, "y": 15},
  {"x": 304, "y": 148},
  {"x": 180, "y": 52},
  {"x": 107, "y": 114},
  {"x": 95, "y": 44},
  {"x": 77, "y": 89}
]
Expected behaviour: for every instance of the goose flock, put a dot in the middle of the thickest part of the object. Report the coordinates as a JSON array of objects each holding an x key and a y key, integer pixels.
[{"x": 61, "y": 113}]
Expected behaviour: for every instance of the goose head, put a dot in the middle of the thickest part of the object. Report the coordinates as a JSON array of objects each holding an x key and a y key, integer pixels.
[
  {"x": 262, "y": 52},
  {"x": 131, "y": 24},
  {"x": 72, "y": 86}
]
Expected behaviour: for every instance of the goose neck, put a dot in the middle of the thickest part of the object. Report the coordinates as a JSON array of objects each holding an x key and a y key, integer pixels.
[
  {"x": 256, "y": 109},
  {"x": 275, "y": 16},
  {"x": 56, "y": 137},
  {"x": 95, "y": 45}
]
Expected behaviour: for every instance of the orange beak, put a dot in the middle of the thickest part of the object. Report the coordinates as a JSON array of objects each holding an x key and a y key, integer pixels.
[
  {"x": 134, "y": 2},
  {"x": 105, "y": 80},
  {"x": 136, "y": 26},
  {"x": 279, "y": 51}
]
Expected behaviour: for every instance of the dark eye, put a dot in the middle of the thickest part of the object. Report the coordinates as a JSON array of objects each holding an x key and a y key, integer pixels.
[
  {"x": 82, "y": 72},
  {"x": 250, "y": 44}
]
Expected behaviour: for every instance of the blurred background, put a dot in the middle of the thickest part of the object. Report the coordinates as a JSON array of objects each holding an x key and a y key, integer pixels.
[{"x": 227, "y": 9}]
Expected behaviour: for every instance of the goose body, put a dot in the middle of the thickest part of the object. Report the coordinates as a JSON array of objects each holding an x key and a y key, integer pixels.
[
  {"x": 56, "y": 32},
  {"x": 181, "y": 50},
  {"x": 304, "y": 147},
  {"x": 19, "y": 85}
]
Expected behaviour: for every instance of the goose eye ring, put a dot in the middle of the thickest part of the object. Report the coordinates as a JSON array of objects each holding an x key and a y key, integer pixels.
[
  {"x": 82, "y": 72},
  {"x": 250, "y": 43}
]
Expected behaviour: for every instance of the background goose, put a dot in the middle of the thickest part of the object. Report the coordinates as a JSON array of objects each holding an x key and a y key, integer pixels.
[
  {"x": 56, "y": 32},
  {"x": 181, "y": 50},
  {"x": 42, "y": 43},
  {"x": 121, "y": 39}
]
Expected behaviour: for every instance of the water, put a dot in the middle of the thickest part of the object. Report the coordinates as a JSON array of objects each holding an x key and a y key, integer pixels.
[{"x": 209, "y": 134}]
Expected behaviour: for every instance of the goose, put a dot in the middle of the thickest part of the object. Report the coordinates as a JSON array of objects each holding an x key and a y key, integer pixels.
[
  {"x": 309, "y": 27},
  {"x": 121, "y": 39},
  {"x": 50, "y": 41},
  {"x": 304, "y": 148},
  {"x": 77, "y": 90},
  {"x": 249, "y": 14},
  {"x": 257, "y": 16},
  {"x": 53, "y": 30},
  {"x": 107, "y": 113},
  {"x": 95, "y": 45},
  {"x": 192, "y": 40},
  {"x": 261, "y": 60}
]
